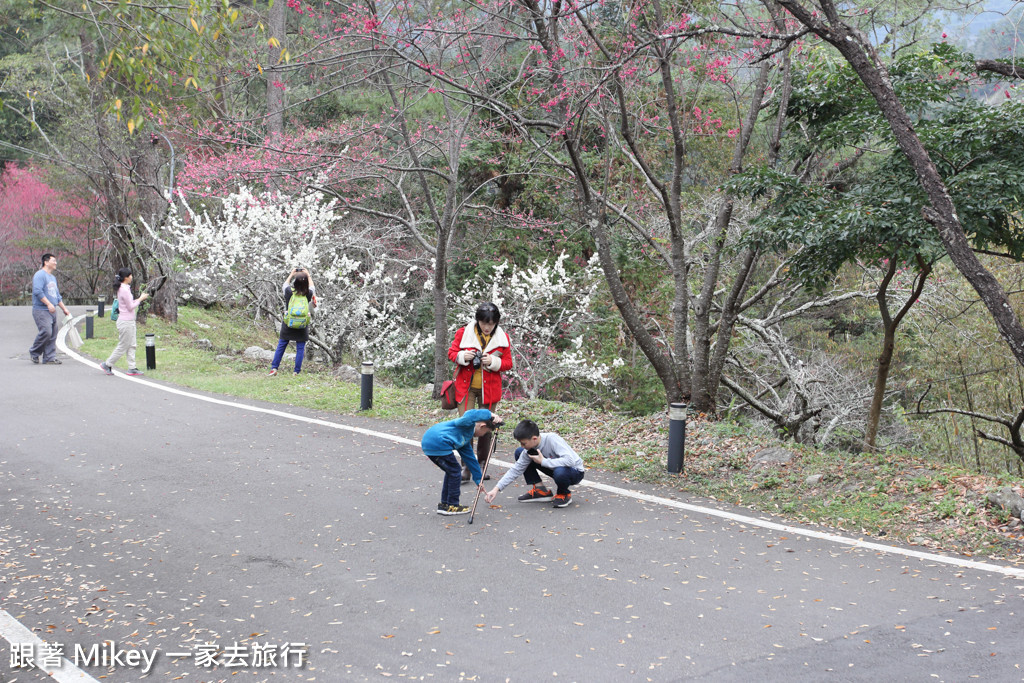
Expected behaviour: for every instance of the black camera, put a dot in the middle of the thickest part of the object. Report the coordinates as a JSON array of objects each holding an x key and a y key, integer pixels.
[{"x": 477, "y": 359}]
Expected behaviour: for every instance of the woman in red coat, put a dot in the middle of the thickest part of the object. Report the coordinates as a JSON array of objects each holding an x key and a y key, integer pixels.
[{"x": 481, "y": 351}]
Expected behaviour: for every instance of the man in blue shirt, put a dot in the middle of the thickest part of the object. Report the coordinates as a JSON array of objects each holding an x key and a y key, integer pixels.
[{"x": 45, "y": 299}]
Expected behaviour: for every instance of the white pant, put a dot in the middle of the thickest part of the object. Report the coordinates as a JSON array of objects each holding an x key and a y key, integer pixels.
[{"x": 126, "y": 343}]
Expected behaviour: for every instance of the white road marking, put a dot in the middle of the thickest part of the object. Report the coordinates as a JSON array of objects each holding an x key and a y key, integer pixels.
[
  {"x": 810, "y": 533},
  {"x": 16, "y": 634},
  {"x": 658, "y": 500}
]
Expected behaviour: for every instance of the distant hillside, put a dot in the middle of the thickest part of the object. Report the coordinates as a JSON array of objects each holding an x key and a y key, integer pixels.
[{"x": 994, "y": 30}]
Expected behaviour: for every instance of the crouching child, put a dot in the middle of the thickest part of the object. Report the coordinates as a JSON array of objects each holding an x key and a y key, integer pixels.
[
  {"x": 542, "y": 452},
  {"x": 457, "y": 435}
]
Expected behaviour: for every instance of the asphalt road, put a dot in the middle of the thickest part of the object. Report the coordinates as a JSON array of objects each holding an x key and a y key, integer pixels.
[{"x": 163, "y": 523}]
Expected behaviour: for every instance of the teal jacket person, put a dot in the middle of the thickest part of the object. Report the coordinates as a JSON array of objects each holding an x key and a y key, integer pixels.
[{"x": 457, "y": 435}]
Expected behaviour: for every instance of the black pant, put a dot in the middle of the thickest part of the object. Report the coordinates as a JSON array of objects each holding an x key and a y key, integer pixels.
[{"x": 564, "y": 476}]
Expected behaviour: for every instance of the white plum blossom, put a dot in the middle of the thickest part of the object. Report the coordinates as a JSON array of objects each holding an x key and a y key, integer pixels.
[
  {"x": 242, "y": 250},
  {"x": 252, "y": 231}
]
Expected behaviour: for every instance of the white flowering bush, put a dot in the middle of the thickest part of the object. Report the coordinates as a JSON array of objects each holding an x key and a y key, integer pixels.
[
  {"x": 367, "y": 286},
  {"x": 546, "y": 311},
  {"x": 242, "y": 250},
  {"x": 387, "y": 337}
]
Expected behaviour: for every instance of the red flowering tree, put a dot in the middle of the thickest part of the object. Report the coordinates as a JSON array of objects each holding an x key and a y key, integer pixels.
[
  {"x": 637, "y": 111},
  {"x": 36, "y": 218},
  {"x": 668, "y": 103}
]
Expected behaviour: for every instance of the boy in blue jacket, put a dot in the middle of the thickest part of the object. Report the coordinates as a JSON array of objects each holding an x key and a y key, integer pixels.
[{"x": 457, "y": 435}]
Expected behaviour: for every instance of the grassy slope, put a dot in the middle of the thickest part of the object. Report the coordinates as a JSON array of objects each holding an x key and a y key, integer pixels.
[{"x": 899, "y": 497}]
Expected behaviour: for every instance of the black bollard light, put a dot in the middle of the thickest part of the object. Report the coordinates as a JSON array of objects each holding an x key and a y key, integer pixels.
[
  {"x": 88, "y": 323},
  {"x": 100, "y": 300},
  {"x": 676, "y": 437},
  {"x": 150, "y": 351},
  {"x": 366, "y": 388}
]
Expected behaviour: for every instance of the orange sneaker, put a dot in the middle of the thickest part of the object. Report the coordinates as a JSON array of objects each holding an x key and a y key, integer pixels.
[{"x": 537, "y": 493}]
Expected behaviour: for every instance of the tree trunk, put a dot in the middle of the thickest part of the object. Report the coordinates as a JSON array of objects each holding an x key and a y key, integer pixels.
[
  {"x": 151, "y": 195},
  {"x": 443, "y": 221},
  {"x": 881, "y": 379},
  {"x": 705, "y": 384},
  {"x": 275, "y": 77},
  {"x": 165, "y": 301},
  {"x": 442, "y": 368},
  {"x": 731, "y": 309},
  {"x": 106, "y": 179},
  {"x": 889, "y": 325},
  {"x": 734, "y": 304},
  {"x": 675, "y": 391},
  {"x": 673, "y": 372}
]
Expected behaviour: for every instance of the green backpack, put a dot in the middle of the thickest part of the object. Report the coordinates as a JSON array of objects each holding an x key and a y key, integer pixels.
[{"x": 297, "y": 315}]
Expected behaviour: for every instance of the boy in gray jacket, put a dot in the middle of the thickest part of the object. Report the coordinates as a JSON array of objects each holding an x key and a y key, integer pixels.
[{"x": 548, "y": 453}]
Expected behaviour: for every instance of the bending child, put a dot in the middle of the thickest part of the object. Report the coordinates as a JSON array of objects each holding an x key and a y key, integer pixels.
[
  {"x": 457, "y": 435},
  {"x": 548, "y": 453}
]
